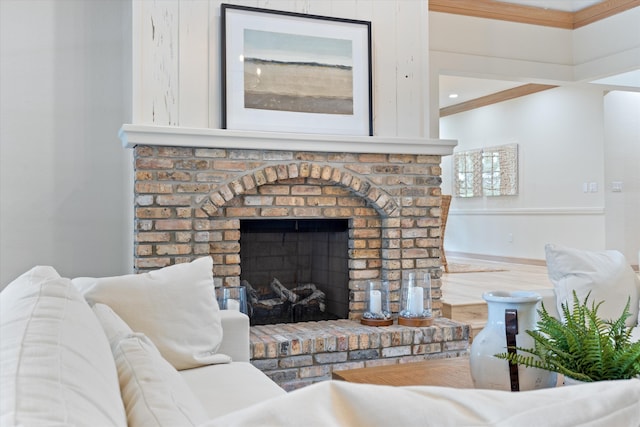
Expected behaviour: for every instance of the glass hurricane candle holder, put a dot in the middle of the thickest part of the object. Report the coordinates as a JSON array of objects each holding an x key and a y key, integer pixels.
[
  {"x": 232, "y": 298},
  {"x": 415, "y": 301},
  {"x": 376, "y": 299}
]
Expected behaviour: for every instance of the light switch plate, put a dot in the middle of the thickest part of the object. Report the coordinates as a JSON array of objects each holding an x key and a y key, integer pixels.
[{"x": 616, "y": 186}]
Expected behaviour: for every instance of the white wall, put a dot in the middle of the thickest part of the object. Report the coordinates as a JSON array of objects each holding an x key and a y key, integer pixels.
[
  {"x": 622, "y": 164},
  {"x": 566, "y": 136},
  {"x": 608, "y": 46},
  {"x": 64, "y": 178},
  {"x": 559, "y": 133}
]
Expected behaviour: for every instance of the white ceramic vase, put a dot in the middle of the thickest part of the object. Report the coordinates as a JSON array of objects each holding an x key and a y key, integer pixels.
[
  {"x": 487, "y": 371},
  {"x": 571, "y": 381}
]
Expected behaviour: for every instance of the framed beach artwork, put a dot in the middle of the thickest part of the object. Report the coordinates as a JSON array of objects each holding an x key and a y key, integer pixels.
[{"x": 292, "y": 72}]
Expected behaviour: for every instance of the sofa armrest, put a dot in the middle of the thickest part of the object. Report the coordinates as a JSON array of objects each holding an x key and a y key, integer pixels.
[{"x": 235, "y": 335}]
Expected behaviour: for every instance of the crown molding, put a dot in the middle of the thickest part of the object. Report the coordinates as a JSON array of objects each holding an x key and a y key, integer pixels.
[
  {"x": 492, "y": 9},
  {"x": 602, "y": 10}
]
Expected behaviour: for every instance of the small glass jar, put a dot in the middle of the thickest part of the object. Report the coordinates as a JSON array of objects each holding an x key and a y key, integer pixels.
[
  {"x": 376, "y": 299},
  {"x": 415, "y": 301},
  {"x": 233, "y": 298}
]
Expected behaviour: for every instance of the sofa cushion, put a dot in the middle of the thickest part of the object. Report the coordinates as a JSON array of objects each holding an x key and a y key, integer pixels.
[
  {"x": 57, "y": 367},
  {"x": 153, "y": 391},
  {"x": 339, "y": 403},
  {"x": 174, "y": 306},
  {"x": 114, "y": 327},
  {"x": 225, "y": 388},
  {"x": 606, "y": 274}
]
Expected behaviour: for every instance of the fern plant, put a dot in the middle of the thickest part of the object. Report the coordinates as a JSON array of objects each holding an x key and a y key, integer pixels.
[{"x": 584, "y": 347}]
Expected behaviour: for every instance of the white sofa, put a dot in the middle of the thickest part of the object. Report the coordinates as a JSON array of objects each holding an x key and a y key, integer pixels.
[
  {"x": 68, "y": 359},
  {"x": 62, "y": 364}
]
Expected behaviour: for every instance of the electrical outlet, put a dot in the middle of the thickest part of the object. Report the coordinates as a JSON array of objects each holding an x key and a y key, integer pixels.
[
  {"x": 593, "y": 187},
  {"x": 510, "y": 237}
]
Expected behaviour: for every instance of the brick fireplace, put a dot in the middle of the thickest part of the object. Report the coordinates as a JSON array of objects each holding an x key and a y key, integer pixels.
[
  {"x": 194, "y": 190},
  {"x": 190, "y": 202},
  {"x": 195, "y": 186}
]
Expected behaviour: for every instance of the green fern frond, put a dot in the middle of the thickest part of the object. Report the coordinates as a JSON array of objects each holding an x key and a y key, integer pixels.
[{"x": 584, "y": 346}]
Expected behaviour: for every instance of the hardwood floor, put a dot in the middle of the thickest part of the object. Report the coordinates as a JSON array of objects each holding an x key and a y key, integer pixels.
[
  {"x": 462, "y": 292},
  {"x": 460, "y": 288}
]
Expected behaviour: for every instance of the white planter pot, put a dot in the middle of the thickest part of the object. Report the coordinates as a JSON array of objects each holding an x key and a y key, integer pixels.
[{"x": 487, "y": 371}]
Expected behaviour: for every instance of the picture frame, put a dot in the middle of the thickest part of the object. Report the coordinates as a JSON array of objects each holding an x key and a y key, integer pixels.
[{"x": 293, "y": 72}]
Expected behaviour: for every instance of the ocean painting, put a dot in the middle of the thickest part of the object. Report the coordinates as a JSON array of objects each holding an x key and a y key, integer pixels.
[{"x": 299, "y": 73}]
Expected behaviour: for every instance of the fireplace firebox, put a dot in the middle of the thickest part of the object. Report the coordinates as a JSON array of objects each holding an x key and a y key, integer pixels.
[{"x": 295, "y": 269}]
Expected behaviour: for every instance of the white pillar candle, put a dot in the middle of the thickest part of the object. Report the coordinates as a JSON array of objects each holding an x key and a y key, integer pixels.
[
  {"x": 233, "y": 304},
  {"x": 416, "y": 305},
  {"x": 375, "y": 301}
]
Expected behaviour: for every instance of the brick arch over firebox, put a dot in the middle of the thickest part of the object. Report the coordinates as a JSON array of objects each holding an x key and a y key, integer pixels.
[{"x": 379, "y": 199}]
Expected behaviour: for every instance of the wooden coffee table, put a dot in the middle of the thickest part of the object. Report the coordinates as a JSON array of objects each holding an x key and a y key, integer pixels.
[{"x": 452, "y": 372}]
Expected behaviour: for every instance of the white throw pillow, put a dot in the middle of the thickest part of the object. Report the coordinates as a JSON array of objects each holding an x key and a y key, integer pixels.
[
  {"x": 114, "y": 327},
  {"x": 606, "y": 274},
  {"x": 57, "y": 367},
  {"x": 153, "y": 392},
  {"x": 174, "y": 306}
]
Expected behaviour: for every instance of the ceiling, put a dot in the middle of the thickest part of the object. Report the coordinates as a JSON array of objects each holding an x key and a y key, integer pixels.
[{"x": 469, "y": 88}]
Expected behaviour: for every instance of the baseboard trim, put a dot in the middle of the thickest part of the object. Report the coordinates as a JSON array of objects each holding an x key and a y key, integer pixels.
[
  {"x": 511, "y": 260},
  {"x": 530, "y": 211}
]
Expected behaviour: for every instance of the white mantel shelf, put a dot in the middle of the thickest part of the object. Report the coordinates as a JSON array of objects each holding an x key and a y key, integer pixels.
[{"x": 132, "y": 135}]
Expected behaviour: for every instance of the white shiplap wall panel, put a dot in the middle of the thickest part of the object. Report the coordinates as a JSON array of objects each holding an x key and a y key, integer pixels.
[
  {"x": 194, "y": 64},
  {"x": 384, "y": 28},
  {"x": 159, "y": 55},
  {"x": 215, "y": 109},
  {"x": 410, "y": 74},
  {"x": 346, "y": 9},
  {"x": 178, "y": 58},
  {"x": 321, "y": 8}
]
